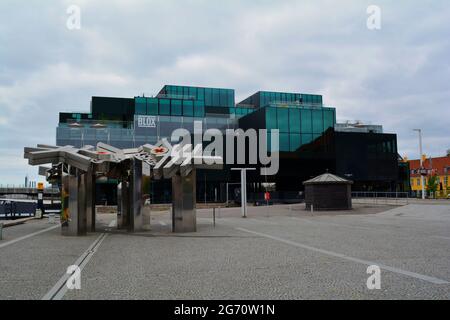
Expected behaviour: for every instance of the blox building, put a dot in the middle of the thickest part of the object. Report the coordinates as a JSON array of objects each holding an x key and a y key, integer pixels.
[{"x": 310, "y": 141}]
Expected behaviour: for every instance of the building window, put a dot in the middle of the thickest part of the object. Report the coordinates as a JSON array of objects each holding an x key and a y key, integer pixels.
[
  {"x": 271, "y": 118},
  {"x": 294, "y": 121},
  {"x": 328, "y": 119},
  {"x": 140, "y": 106},
  {"x": 283, "y": 119},
  {"x": 164, "y": 107},
  {"x": 188, "y": 108},
  {"x": 199, "y": 109},
  {"x": 317, "y": 120},
  {"x": 176, "y": 108},
  {"x": 294, "y": 141},
  {"x": 284, "y": 142},
  {"x": 152, "y": 106},
  {"x": 306, "y": 123}
]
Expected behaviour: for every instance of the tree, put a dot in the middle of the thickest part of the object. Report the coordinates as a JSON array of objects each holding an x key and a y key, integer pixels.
[
  {"x": 433, "y": 184},
  {"x": 448, "y": 152}
]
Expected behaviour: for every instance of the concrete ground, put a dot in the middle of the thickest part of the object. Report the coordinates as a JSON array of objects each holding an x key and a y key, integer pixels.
[{"x": 278, "y": 252}]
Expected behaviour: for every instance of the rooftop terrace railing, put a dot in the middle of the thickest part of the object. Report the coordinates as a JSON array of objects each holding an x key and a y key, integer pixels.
[
  {"x": 95, "y": 124},
  {"x": 176, "y": 96},
  {"x": 297, "y": 104}
]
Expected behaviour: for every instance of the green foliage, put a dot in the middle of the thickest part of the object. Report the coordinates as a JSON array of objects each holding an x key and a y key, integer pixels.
[{"x": 433, "y": 184}]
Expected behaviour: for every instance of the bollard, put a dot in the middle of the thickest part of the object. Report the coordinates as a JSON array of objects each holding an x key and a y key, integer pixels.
[
  {"x": 51, "y": 218},
  {"x": 38, "y": 214},
  {"x": 312, "y": 208},
  {"x": 214, "y": 217},
  {"x": 1, "y": 231}
]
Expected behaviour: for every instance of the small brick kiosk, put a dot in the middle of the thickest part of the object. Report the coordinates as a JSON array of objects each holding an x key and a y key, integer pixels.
[{"x": 328, "y": 192}]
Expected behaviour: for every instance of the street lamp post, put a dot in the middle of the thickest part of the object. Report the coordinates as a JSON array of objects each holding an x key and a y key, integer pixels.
[
  {"x": 243, "y": 189},
  {"x": 422, "y": 183}
]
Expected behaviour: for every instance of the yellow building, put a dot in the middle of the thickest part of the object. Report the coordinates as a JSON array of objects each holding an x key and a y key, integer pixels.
[{"x": 439, "y": 167}]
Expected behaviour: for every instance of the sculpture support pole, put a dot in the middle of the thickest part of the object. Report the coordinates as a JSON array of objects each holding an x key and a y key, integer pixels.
[
  {"x": 90, "y": 201},
  {"x": 135, "y": 194},
  {"x": 146, "y": 205},
  {"x": 123, "y": 216},
  {"x": 64, "y": 202},
  {"x": 82, "y": 203},
  {"x": 184, "y": 217},
  {"x": 74, "y": 215},
  {"x": 71, "y": 228}
]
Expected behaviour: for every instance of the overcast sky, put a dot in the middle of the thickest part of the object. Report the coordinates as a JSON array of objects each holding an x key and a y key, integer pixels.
[{"x": 398, "y": 76}]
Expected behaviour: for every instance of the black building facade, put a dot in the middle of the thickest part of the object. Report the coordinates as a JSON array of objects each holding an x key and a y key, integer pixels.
[{"x": 310, "y": 142}]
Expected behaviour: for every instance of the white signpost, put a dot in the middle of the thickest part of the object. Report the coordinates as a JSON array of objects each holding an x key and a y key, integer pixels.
[{"x": 243, "y": 189}]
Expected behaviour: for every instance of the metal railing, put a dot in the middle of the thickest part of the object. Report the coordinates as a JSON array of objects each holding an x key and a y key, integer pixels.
[
  {"x": 176, "y": 96},
  {"x": 368, "y": 197},
  {"x": 22, "y": 190}
]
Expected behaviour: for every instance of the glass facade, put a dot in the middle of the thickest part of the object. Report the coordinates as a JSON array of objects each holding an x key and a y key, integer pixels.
[
  {"x": 211, "y": 97},
  {"x": 169, "y": 107},
  {"x": 299, "y": 125},
  {"x": 301, "y": 118},
  {"x": 128, "y": 136},
  {"x": 264, "y": 98},
  {"x": 307, "y": 145}
]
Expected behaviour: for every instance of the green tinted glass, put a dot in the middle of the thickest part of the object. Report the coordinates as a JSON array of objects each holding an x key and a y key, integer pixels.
[
  {"x": 305, "y": 121},
  {"x": 294, "y": 141},
  {"x": 164, "y": 107},
  {"x": 216, "y": 97},
  {"x": 223, "y": 98},
  {"x": 294, "y": 120},
  {"x": 152, "y": 106},
  {"x": 283, "y": 119},
  {"x": 176, "y": 108},
  {"x": 193, "y": 92},
  {"x": 188, "y": 108},
  {"x": 200, "y": 93},
  {"x": 140, "y": 106},
  {"x": 328, "y": 119},
  {"x": 306, "y": 138},
  {"x": 208, "y": 96},
  {"x": 199, "y": 109},
  {"x": 284, "y": 142},
  {"x": 271, "y": 118},
  {"x": 230, "y": 98},
  {"x": 317, "y": 121}
]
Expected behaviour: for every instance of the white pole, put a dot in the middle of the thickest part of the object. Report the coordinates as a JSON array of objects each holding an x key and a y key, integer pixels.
[
  {"x": 422, "y": 182},
  {"x": 243, "y": 194},
  {"x": 243, "y": 189},
  {"x": 227, "y": 195}
]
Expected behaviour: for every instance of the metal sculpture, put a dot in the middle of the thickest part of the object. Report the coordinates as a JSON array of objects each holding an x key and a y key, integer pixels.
[{"x": 77, "y": 170}]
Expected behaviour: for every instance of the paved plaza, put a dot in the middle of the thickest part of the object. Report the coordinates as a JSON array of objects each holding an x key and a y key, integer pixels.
[{"x": 277, "y": 252}]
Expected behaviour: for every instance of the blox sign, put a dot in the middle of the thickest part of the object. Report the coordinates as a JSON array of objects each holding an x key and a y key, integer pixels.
[{"x": 145, "y": 122}]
